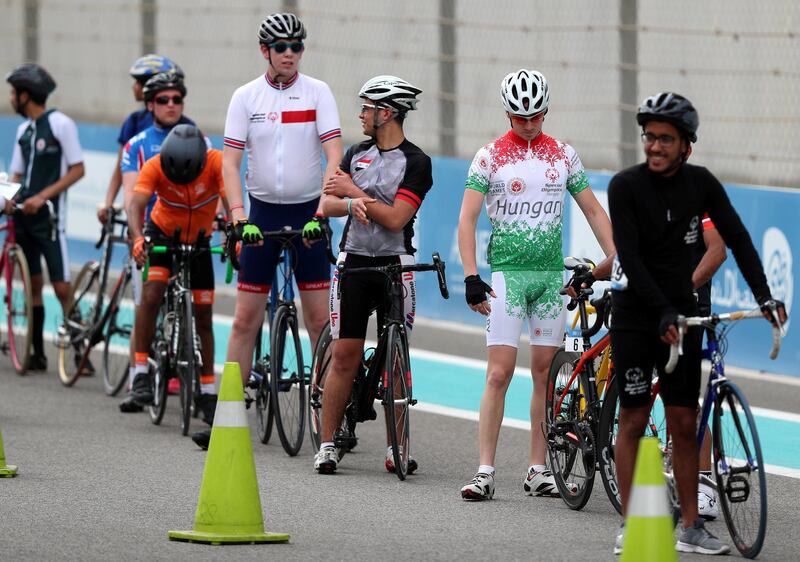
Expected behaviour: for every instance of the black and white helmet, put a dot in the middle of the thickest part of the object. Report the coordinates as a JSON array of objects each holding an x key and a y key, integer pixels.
[
  {"x": 391, "y": 92},
  {"x": 161, "y": 82},
  {"x": 280, "y": 26},
  {"x": 672, "y": 108},
  {"x": 525, "y": 93}
]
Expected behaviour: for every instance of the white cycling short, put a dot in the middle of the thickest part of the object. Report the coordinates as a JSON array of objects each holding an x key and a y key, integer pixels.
[{"x": 530, "y": 296}]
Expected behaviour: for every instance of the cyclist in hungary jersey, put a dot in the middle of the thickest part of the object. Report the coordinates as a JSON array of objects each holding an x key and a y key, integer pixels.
[
  {"x": 142, "y": 70},
  {"x": 285, "y": 120},
  {"x": 522, "y": 178},
  {"x": 187, "y": 177}
]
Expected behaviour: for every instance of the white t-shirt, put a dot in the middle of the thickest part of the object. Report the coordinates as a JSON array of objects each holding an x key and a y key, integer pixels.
[{"x": 282, "y": 126}]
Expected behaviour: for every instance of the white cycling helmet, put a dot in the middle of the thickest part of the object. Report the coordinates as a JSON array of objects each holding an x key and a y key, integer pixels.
[
  {"x": 280, "y": 26},
  {"x": 525, "y": 93},
  {"x": 392, "y": 92}
]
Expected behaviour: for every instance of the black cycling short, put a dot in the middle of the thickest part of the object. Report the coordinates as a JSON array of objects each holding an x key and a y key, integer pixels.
[
  {"x": 366, "y": 291},
  {"x": 637, "y": 353},
  {"x": 202, "y": 269}
]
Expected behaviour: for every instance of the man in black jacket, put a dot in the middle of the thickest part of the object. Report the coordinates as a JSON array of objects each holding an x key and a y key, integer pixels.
[{"x": 656, "y": 211}]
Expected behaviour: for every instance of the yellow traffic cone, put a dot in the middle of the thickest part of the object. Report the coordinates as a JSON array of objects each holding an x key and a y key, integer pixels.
[
  {"x": 6, "y": 470},
  {"x": 648, "y": 527},
  {"x": 229, "y": 508}
]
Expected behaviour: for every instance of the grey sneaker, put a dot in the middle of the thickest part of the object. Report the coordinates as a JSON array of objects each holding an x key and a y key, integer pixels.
[
  {"x": 481, "y": 487},
  {"x": 325, "y": 460},
  {"x": 697, "y": 539},
  {"x": 620, "y": 538}
]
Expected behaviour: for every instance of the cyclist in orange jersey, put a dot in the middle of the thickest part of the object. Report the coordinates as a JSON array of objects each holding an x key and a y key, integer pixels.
[{"x": 187, "y": 177}]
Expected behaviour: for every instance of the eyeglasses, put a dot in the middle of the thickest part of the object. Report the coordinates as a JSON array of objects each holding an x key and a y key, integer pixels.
[
  {"x": 520, "y": 120},
  {"x": 367, "y": 107},
  {"x": 664, "y": 140},
  {"x": 296, "y": 47},
  {"x": 164, "y": 100}
]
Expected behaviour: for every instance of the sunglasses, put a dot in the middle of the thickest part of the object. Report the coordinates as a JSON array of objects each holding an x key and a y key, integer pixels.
[
  {"x": 164, "y": 100},
  {"x": 296, "y": 47},
  {"x": 518, "y": 119}
]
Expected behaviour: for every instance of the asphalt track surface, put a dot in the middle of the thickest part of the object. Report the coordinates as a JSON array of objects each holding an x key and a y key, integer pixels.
[{"x": 95, "y": 484}]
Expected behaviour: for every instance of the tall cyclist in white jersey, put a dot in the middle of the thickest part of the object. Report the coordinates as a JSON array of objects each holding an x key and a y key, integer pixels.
[
  {"x": 522, "y": 178},
  {"x": 282, "y": 119}
]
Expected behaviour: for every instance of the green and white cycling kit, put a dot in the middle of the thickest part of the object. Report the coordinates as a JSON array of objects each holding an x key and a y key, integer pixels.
[{"x": 525, "y": 184}]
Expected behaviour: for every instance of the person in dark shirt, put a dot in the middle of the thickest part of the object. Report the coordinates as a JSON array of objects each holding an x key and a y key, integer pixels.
[{"x": 656, "y": 210}]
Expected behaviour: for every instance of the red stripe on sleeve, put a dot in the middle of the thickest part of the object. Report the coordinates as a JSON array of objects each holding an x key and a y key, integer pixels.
[{"x": 409, "y": 196}]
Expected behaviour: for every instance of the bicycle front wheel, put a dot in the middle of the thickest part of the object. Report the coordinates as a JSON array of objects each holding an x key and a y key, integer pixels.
[
  {"x": 73, "y": 334},
  {"x": 739, "y": 470},
  {"x": 570, "y": 443},
  {"x": 186, "y": 365},
  {"x": 19, "y": 308},
  {"x": 159, "y": 369},
  {"x": 116, "y": 347},
  {"x": 288, "y": 380},
  {"x": 607, "y": 441},
  {"x": 264, "y": 414},
  {"x": 397, "y": 400}
]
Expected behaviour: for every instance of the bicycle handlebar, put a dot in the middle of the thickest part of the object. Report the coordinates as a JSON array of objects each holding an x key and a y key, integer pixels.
[
  {"x": 108, "y": 226},
  {"x": 676, "y": 349},
  {"x": 176, "y": 245},
  {"x": 286, "y": 233},
  {"x": 437, "y": 265}
]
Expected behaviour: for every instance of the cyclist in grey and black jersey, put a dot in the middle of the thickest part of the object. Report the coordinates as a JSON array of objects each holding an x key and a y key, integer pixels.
[{"x": 380, "y": 186}]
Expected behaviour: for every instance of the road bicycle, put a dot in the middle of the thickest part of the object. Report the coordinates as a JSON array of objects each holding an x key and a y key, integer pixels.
[
  {"x": 279, "y": 376},
  {"x": 16, "y": 329},
  {"x": 738, "y": 464},
  {"x": 577, "y": 381},
  {"x": 176, "y": 349},
  {"x": 87, "y": 318},
  {"x": 385, "y": 372}
]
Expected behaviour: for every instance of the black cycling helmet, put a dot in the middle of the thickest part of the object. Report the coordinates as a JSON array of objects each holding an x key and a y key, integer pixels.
[
  {"x": 183, "y": 154},
  {"x": 280, "y": 26},
  {"x": 32, "y": 78},
  {"x": 163, "y": 81},
  {"x": 672, "y": 108}
]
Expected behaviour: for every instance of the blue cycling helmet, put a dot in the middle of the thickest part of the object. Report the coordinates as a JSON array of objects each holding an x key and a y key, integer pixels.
[{"x": 148, "y": 65}]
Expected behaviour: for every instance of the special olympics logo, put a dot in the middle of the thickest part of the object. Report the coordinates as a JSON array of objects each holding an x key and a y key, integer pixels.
[
  {"x": 516, "y": 186},
  {"x": 537, "y": 332},
  {"x": 40, "y": 145},
  {"x": 552, "y": 175},
  {"x": 778, "y": 266},
  {"x": 483, "y": 163},
  {"x": 272, "y": 116},
  {"x": 634, "y": 375}
]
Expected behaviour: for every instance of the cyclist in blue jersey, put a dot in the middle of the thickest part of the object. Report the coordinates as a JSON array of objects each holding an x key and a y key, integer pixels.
[
  {"x": 163, "y": 95},
  {"x": 142, "y": 70}
]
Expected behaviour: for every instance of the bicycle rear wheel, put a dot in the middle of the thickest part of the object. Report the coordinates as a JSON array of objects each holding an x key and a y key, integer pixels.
[
  {"x": 19, "y": 309},
  {"x": 186, "y": 366},
  {"x": 73, "y": 335},
  {"x": 570, "y": 443},
  {"x": 739, "y": 470},
  {"x": 288, "y": 379},
  {"x": 264, "y": 414},
  {"x": 397, "y": 400},
  {"x": 116, "y": 347}
]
